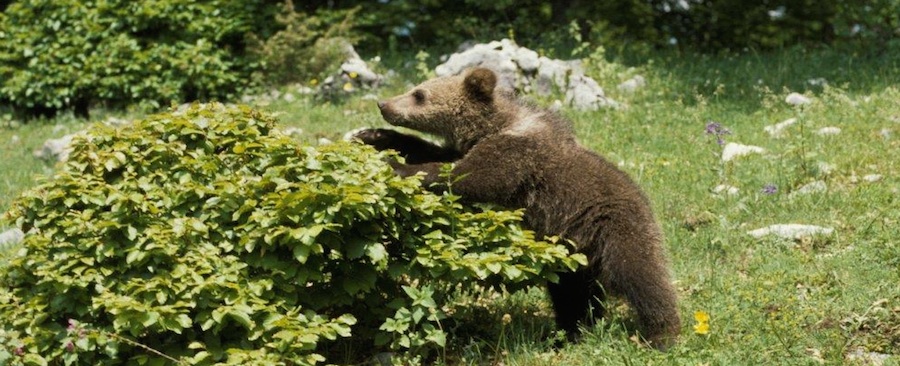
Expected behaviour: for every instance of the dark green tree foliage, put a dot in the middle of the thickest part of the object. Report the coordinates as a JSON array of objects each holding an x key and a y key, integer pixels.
[
  {"x": 709, "y": 25},
  {"x": 207, "y": 237},
  {"x": 62, "y": 54},
  {"x": 306, "y": 46}
]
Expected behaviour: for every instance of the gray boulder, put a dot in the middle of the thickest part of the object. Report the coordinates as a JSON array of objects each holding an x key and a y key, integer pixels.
[
  {"x": 11, "y": 237},
  {"x": 524, "y": 70}
]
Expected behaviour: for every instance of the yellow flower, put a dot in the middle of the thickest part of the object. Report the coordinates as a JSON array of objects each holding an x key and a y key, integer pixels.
[
  {"x": 701, "y": 316},
  {"x": 702, "y": 319},
  {"x": 353, "y": 74},
  {"x": 701, "y": 328},
  {"x": 314, "y": 82},
  {"x": 348, "y": 87}
]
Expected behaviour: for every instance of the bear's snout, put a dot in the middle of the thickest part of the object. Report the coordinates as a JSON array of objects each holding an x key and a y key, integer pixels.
[{"x": 386, "y": 111}]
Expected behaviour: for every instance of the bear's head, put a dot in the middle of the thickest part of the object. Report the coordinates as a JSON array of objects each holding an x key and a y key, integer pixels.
[{"x": 461, "y": 109}]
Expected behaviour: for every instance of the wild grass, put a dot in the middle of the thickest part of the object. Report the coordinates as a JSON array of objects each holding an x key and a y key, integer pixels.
[{"x": 818, "y": 300}]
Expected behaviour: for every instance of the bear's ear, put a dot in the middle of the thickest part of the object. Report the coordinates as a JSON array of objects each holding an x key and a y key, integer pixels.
[{"x": 480, "y": 84}]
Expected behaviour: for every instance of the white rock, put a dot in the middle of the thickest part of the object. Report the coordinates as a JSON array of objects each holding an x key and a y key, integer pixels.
[
  {"x": 350, "y": 135},
  {"x": 116, "y": 122},
  {"x": 292, "y": 131},
  {"x": 358, "y": 70},
  {"x": 527, "y": 59},
  {"x": 552, "y": 73},
  {"x": 871, "y": 178},
  {"x": 813, "y": 187},
  {"x": 733, "y": 150},
  {"x": 354, "y": 74},
  {"x": 817, "y": 82},
  {"x": 323, "y": 141},
  {"x": 56, "y": 149},
  {"x": 524, "y": 70},
  {"x": 556, "y": 105},
  {"x": 14, "y": 139},
  {"x": 777, "y": 129},
  {"x": 828, "y": 131},
  {"x": 824, "y": 167},
  {"x": 797, "y": 99},
  {"x": 726, "y": 189},
  {"x": 791, "y": 231},
  {"x": 585, "y": 94},
  {"x": 305, "y": 90},
  {"x": 11, "y": 237},
  {"x": 632, "y": 85},
  {"x": 885, "y": 133},
  {"x": 288, "y": 97},
  {"x": 861, "y": 357}
]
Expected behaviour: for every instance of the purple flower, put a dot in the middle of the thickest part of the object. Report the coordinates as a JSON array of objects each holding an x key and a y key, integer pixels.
[
  {"x": 70, "y": 347},
  {"x": 19, "y": 351},
  {"x": 769, "y": 189},
  {"x": 716, "y": 129},
  {"x": 72, "y": 325}
]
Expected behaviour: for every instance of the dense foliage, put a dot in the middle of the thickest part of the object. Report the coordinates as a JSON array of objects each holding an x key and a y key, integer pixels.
[
  {"x": 706, "y": 24},
  {"x": 205, "y": 236},
  {"x": 305, "y": 47},
  {"x": 62, "y": 54}
]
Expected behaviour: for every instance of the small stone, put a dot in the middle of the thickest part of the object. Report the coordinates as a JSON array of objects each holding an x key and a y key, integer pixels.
[
  {"x": 791, "y": 231},
  {"x": 828, "y": 131},
  {"x": 813, "y": 187},
  {"x": 817, "y": 82},
  {"x": 777, "y": 129},
  {"x": 292, "y": 131},
  {"x": 632, "y": 85},
  {"x": 288, "y": 97},
  {"x": 861, "y": 357},
  {"x": 726, "y": 189},
  {"x": 733, "y": 150},
  {"x": 11, "y": 237},
  {"x": 55, "y": 149},
  {"x": 872, "y": 178},
  {"x": 797, "y": 99},
  {"x": 824, "y": 167}
]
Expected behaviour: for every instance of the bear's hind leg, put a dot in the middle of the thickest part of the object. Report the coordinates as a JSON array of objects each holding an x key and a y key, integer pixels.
[
  {"x": 577, "y": 301},
  {"x": 638, "y": 271}
]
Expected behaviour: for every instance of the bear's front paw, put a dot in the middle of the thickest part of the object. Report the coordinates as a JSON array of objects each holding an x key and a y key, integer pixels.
[{"x": 380, "y": 138}]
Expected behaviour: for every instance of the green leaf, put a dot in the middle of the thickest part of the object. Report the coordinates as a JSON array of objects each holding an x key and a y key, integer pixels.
[
  {"x": 242, "y": 318},
  {"x": 34, "y": 360}
]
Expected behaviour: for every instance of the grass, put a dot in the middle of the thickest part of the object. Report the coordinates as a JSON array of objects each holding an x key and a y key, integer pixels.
[{"x": 770, "y": 301}]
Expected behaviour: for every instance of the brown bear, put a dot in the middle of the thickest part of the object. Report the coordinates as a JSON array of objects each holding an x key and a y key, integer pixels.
[{"x": 510, "y": 153}]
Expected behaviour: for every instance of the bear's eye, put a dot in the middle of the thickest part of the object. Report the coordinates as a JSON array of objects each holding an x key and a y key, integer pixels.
[{"x": 419, "y": 96}]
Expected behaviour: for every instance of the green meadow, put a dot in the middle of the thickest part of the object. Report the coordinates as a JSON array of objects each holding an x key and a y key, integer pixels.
[{"x": 827, "y": 298}]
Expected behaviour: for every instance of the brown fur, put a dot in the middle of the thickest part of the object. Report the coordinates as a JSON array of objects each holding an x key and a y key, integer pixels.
[{"x": 519, "y": 156}]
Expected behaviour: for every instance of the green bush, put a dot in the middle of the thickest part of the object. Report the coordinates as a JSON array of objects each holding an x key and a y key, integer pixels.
[
  {"x": 68, "y": 54},
  {"x": 307, "y": 46},
  {"x": 205, "y": 236}
]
